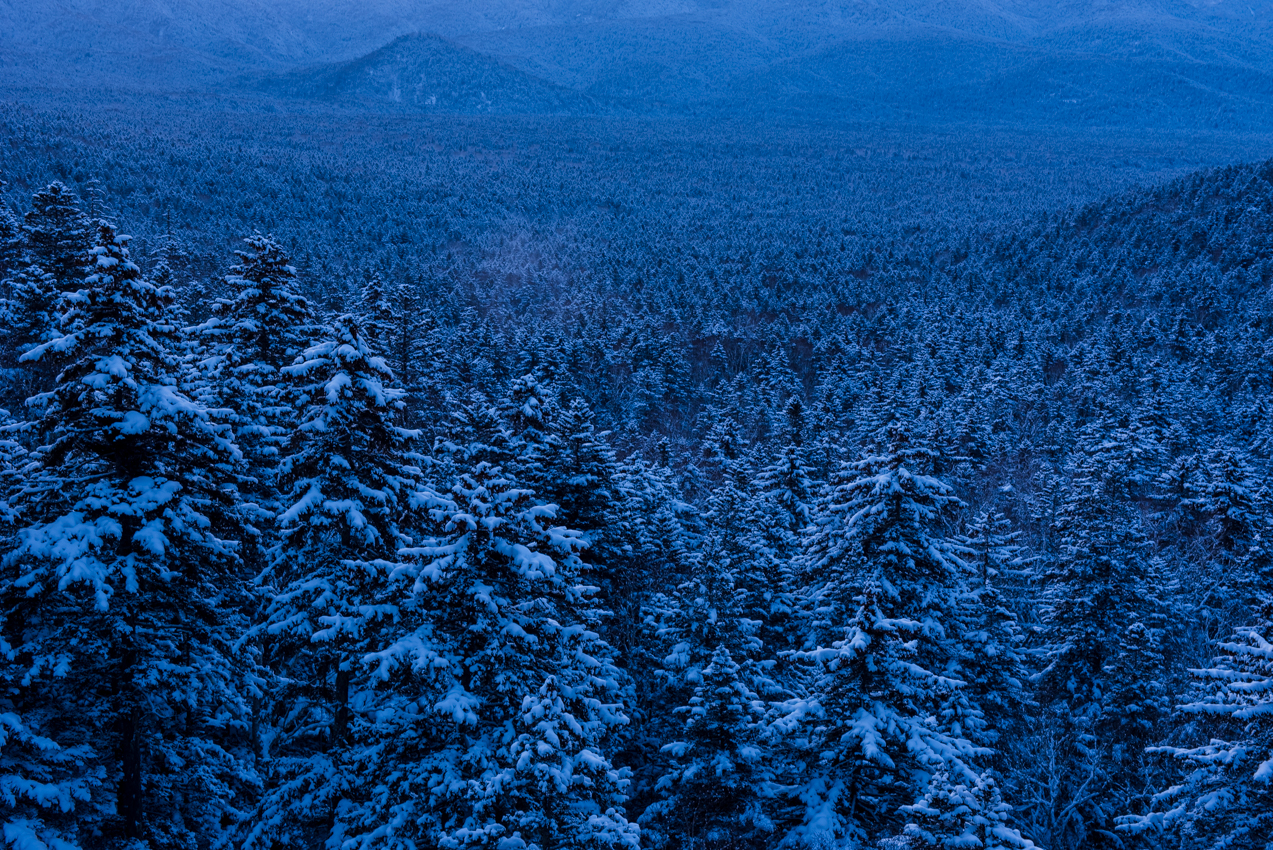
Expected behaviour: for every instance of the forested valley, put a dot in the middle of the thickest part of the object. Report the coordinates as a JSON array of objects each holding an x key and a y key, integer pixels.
[{"x": 690, "y": 490}]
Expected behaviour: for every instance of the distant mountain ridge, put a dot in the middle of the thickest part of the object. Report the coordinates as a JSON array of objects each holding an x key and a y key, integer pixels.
[
  {"x": 953, "y": 77},
  {"x": 1203, "y": 65},
  {"x": 426, "y": 73},
  {"x": 1126, "y": 62}
]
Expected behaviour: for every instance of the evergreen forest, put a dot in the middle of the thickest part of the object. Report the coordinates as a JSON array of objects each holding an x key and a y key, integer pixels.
[{"x": 372, "y": 481}]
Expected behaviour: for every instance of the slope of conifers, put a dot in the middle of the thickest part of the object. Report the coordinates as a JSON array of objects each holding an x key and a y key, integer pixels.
[{"x": 773, "y": 544}]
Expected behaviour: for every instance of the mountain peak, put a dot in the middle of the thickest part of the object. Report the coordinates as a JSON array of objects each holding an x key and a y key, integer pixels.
[{"x": 424, "y": 72}]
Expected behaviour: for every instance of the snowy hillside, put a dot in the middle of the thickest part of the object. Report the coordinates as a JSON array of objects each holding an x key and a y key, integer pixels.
[{"x": 765, "y": 484}]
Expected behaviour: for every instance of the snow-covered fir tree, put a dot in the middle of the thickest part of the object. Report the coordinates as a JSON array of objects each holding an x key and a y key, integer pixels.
[
  {"x": 413, "y": 337},
  {"x": 787, "y": 486},
  {"x": 242, "y": 348},
  {"x": 780, "y": 512},
  {"x": 12, "y": 241},
  {"x": 44, "y": 786},
  {"x": 500, "y": 701},
  {"x": 58, "y": 236},
  {"x": 660, "y": 536},
  {"x": 993, "y": 644},
  {"x": 1225, "y": 799},
  {"x": 963, "y": 814},
  {"x": 582, "y": 480},
  {"x": 527, "y": 411},
  {"x": 886, "y": 707},
  {"x": 1099, "y": 593},
  {"x": 1236, "y": 507},
  {"x": 347, "y": 477},
  {"x": 719, "y": 779},
  {"x": 378, "y": 314},
  {"x": 46, "y": 255},
  {"x": 121, "y": 590},
  {"x": 1102, "y": 690},
  {"x": 42, "y": 782},
  {"x": 31, "y": 313},
  {"x": 712, "y": 668}
]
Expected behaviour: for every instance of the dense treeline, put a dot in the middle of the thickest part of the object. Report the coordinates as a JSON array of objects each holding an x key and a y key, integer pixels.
[
  {"x": 560, "y": 200},
  {"x": 954, "y": 542}
]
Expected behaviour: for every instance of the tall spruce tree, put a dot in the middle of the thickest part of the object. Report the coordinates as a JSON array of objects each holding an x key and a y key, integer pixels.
[
  {"x": 31, "y": 314},
  {"x": 501, "y": 702},
  {"x": 713, "y": 773},
  {"x": 378, "y": 314},
  {"x": 242, "y": 348},
  {"x": 582, "y": 480},
  {"x": 1100, "y": 583},
  {"x": 718, "y": 780},
  {"x": 47, "y": 257},
  {"x": 780, "y": 513},
  {"x": 44, "y": 785},
  {"x": 1102, "y": 691},
  {"x": 660, "y": 538},
  {"x": 406, "y": 346},
  {"x": 347, "y": 476},
  {"x": 58, "y": 236},
  {"x": 119, "y": 598},
  {"x": 962, "y": 814},
  {"x": 528, "y": 410},
  {"x": 1226, "y": 796},
  {"x": 993, "y": 659},
  {"x": 883, "y": 612},
  {"x": 12, "y": 241}
]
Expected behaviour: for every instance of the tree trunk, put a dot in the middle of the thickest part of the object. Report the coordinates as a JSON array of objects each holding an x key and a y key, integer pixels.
[
  {"x": 340, "y": 729},
  {"x": 130, "y": 783}
]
